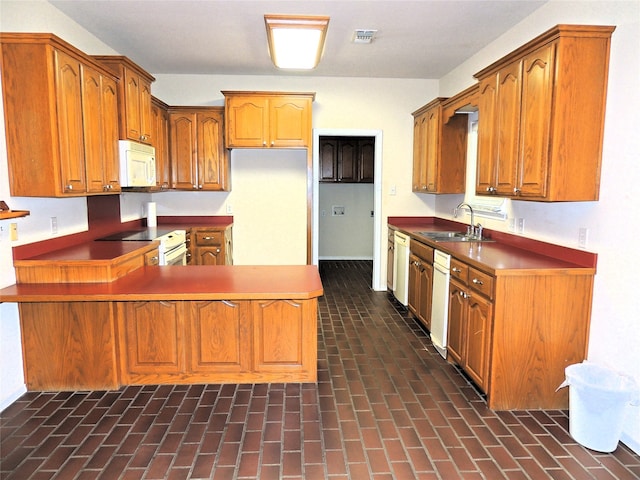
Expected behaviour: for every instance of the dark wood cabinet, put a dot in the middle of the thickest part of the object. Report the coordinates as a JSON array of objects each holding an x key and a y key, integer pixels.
[
  {"x": 210, "y": 246},
  {"x": 420, "y": 282},
  {"x": 347, "y": 159}
]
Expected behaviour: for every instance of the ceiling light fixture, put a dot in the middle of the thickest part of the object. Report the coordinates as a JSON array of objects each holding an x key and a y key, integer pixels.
[{"x": 296, "y": 42}]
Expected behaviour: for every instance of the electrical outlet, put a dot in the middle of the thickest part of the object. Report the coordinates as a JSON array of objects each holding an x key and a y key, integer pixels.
[
  {"x": 520, "y": 225},
  {"x": 337, "y": 210},
  {"x": 512, "y": 225},
  {"x": 54, "y": 225},
  {"x": 392, "y": 191},
  {"x": 229, "y": 208},
  {"x": 583, "y": 237},
  {"x": 13, "y": 229}
]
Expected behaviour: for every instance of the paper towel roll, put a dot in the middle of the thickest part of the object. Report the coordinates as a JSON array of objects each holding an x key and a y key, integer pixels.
[{"x": 152, "y": 219}]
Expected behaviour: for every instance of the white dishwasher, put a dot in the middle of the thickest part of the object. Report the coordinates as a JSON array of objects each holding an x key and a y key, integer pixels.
[
  {"x": 401, "y": 267},
  {"x": 440, "y": 301}
]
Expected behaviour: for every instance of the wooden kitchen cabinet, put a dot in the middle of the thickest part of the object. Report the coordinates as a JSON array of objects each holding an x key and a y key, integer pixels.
[
  {"x": 59, "y": 116},
  {"x": 515, "y": 331},
  {"x": 268, "y": 119},
  {"x": 439, "y": 150},
  {"x": 217, "y": 341},
  {"x": 210, "y": 246},
  {"x": 541, "y": 117},
  {"x": 420, "y": 282},
  {"x": 134, "y": 97},
  {"x": 199, "y": 160},
  {"x": 470, "y": 321},
  {"x": 347, "y": 159},
  {"x": 160, "y": 135},
  {"x": 100, "y": 118}
]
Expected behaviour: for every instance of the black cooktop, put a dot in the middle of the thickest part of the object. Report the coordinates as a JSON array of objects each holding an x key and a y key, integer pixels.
[{"x": 146, "y": 235}]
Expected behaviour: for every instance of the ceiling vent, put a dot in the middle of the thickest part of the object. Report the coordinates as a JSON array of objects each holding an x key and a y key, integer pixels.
[{"x": 363, "y": 35}]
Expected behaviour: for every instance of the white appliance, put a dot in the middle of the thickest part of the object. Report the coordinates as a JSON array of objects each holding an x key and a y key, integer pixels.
[
  {"x": 173, "y": 248},
  {"x": 440, "y": 301},
  {"x": 401, "y": 267},
  {"x": 137, "y": 164},
  {"x": 173, "y": 243}
]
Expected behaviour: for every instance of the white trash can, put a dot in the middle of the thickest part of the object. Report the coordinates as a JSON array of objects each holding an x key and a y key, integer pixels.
[{"x": 597, "y": 400}]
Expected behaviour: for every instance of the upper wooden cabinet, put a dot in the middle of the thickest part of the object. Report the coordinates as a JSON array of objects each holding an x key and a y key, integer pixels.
[
  {"x": 268, "y": 119},
  {"x": 199, "y": 160},
  {"x": 439, "y": 148},
  {"x": 60, "y": 118},
  {"x": 541, "y": 117},
  {"x": 347, "y": 159},
  {"x": 134, "y": 96},
  {"x": 160, "y": 135}
]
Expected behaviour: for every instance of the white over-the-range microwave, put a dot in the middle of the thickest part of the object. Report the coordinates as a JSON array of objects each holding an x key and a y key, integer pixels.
[{"x": 137, "y": 164}]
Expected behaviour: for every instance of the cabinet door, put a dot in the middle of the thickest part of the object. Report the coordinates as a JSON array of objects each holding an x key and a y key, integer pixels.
[
  {"x": 347, "y": 159},
  {"x": 212, "y": 164},
  {"x": 92, "y": 116},
  {"x": 160, "y": 121},
  {"x": 289, "y": 122},
  {"x": 70, "y": 127},
  {"x": 328, "y": 150},
  {"x": 220, "y": 337},
  {"x": 133, "y": 93},
  {"x": 478, "y": 336},
  {"x": 414, "y": 284},
  {"x": 183, "y": 135},
  {"x": 508, "y": 111},
  {"x": 366, "y": 160},
  {"x": 419, "y": 152},
  {"x": 110, "y": 135},
  {"x": 487, "y": 124},
  {"x": 457, "y": 321},
  {"x": 537, "y": 96},
  {"x": 284, "y": 338},
  {"x": 431, "y": 147},
  {"x": 246, "y": 121},
  {"x": 425, "y": 293},
  {"x": 209, "y": 256},
  {"x": 146, "y": 125},
  {"x": 151, "y": 339}
]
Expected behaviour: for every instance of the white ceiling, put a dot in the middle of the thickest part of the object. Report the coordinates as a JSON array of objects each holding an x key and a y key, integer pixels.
[{"x": 415, "y": 39}]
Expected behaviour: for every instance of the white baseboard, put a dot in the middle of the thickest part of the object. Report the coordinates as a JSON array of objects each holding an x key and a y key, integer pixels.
[{"x": 12, "y": 397}]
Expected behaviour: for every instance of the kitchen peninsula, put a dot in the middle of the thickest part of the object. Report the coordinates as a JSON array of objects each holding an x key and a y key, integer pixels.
[{"x": 172, "y": 324}]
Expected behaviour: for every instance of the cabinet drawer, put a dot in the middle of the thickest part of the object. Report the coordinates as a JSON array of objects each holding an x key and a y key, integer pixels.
[
  {"x": 208, "y": 237},
  {"x": 152, "y": 257},
  {"x": 421, "y": 250},
  {"x": 481, "y": 282},
  {"x": 459, "y": 270}
]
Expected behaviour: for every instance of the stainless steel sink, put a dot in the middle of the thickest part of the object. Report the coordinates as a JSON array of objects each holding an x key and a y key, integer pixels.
[{"x": 451, "y": 237}]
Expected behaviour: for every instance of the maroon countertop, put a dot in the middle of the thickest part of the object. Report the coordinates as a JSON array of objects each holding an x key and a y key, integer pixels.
[
  {"x": 83, "y": 246},
  {"x": 200, "y": 282},
  {"x": 508, "y": 254}
]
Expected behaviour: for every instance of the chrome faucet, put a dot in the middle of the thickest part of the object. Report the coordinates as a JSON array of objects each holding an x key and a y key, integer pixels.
[{"x": 471, "y": 229}]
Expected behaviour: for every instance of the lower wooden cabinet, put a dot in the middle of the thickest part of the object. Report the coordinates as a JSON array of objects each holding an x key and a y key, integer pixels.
[
  {"x": 69, "y": 346},
  {"x": 420, "y": 282},
  {"x": 210, "y": 246},
  {"x": 217, "y": 341}
]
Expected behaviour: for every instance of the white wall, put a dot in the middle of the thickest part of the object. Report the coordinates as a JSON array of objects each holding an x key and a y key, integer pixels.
[
  {"x": 348, "y": 236},
  {"x": 612, "y": 221}
]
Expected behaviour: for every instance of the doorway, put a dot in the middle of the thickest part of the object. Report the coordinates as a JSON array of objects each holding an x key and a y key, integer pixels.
[{"x": 376, "y": 282}]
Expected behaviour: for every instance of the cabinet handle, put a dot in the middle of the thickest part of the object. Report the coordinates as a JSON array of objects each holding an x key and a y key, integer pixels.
[
  {"x": 208, "y": 238},
  {"x": 195, "y": 186},
  {"x": 154, "y": 259},
  {"x": 491, "y": 189},
  {"x": 199, "y": 187},
  {"x": 477, "y": 282},
  {"x": 516, "y": 190},
  {"x": 456, "y": 270},
  {"x": 264, "y": 143},
  {"x": 272, "y": 143},
  {"x": 69, "y": 187}
]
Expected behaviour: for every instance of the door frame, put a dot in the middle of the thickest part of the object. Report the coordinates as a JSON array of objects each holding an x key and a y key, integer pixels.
[{"x": 376, "y": 282}]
